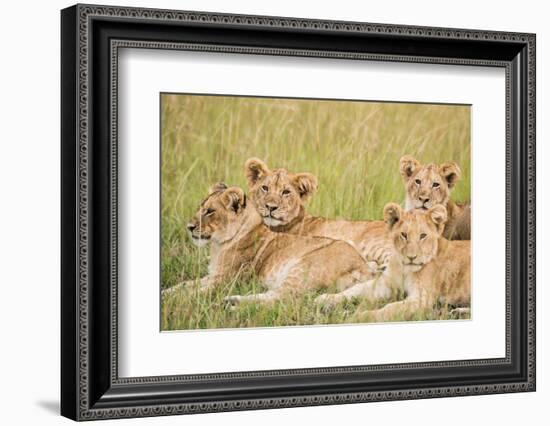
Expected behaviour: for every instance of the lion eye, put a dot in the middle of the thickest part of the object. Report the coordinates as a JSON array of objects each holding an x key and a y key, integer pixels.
[
  {"x": 265, "y": 188},
  {"x": 436, "y": 185},
  {"x": 404, "y": 235},
  {"x": 422, "y": 236},
  {"x": 417, "y": 181},
  {"x": 209, "y": 212},
  {"x": 286, "y": 192}
]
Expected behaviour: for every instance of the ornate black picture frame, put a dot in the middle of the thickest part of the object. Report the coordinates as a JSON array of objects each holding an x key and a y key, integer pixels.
[{"x": 91, "y": 36}]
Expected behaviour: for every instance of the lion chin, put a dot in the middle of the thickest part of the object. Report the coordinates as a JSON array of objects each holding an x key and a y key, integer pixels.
[
  {"x": 200, "y": 242},
  {"x": 272, "y": 222},
  {"x": 409, "y": 267}
]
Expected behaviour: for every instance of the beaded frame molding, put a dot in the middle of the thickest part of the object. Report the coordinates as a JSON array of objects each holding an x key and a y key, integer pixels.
[{"x": 91, "y": 38}]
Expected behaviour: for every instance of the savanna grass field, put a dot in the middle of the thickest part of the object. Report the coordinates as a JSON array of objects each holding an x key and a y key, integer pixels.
[{"x": 352, "y": 147}]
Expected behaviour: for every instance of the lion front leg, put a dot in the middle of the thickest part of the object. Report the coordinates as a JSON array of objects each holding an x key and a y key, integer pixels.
[
  {"x": 176, "y": 288},
  {"x": 372, "y": 290},
  {"x": 267, "y": 297},
  {"x": 204, "y": 284},
  {"x": 404, "y": 309},
  {"x": 292, "y": 286}
]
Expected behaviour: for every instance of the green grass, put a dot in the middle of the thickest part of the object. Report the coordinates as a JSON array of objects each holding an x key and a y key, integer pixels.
[{"x": 352, "y": 147}]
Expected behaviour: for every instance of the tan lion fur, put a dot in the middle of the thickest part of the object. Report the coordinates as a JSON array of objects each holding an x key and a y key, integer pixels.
[
  {"x": 286, "y": 264},
  {"x": 428, "y": 268},
  {"x": 431, "y": 184},
  {"x": 280, "y": 196}
]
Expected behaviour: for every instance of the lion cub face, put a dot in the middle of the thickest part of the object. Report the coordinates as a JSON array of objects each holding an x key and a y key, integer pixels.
[
  {"x": 415, "y": 234},
  {"x": 218, "y": 216},
  {"x": 427, "y": 185},
  {"x": 277, "y": 195}
]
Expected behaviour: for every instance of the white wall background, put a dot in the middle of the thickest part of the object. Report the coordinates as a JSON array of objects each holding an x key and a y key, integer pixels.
[{"x": 29, "y": 210}]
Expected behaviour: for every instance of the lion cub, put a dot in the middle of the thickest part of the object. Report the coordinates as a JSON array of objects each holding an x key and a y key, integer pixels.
[
  {"x": 284, "y": 263},
  {"x": 430, "y": 184},
  {"x": 425, "y": 265},
  {"x": 279, "y": 197}
]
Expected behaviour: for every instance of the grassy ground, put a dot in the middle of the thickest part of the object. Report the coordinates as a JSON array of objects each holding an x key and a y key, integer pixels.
[{"x": 352, "y": 147}]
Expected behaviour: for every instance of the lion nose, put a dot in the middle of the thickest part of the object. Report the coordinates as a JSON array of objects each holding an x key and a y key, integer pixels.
[
  {"x": 271, "y": 207},
  {"x": 191, "y": 227},
  {"x": 424, "y": 199},
  {"x": 411, "y": 258}
]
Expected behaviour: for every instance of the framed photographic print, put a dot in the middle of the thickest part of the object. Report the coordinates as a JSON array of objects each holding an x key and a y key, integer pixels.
[{"x": 263, "y": 212}]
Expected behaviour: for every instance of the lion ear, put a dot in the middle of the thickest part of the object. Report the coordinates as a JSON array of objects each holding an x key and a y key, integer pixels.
[
  {"x": 450, "y": 172},
  {"x": 306, "y": 184},
  {"x": 438, "y": 215},
  {"x": 234, "y": 199},
  {"x": 407, "y": 166},
  {"x": 392, "y": 214},
  {"x": 255, "y": 169},
  {"x": 217, "y": 187}
]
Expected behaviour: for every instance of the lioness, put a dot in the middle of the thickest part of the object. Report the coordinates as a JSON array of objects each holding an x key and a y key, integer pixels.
[
  {"x": 425, "y": 265},
  {"x": 284, "y": 263},
  {"x": 279, "y": 197},
  {"x": 430, "y": 184}
]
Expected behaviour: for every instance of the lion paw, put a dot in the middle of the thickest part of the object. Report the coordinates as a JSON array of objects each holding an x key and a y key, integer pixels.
[
  {"x": 231, "y": 302},
  {"x": 323, "y": 299},
  {"x": 327, "y": 301},
  {"x": 460, "y": 312}
]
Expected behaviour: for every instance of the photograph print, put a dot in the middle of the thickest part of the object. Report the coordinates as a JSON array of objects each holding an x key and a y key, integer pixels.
[{"x": 303, "y": 212}]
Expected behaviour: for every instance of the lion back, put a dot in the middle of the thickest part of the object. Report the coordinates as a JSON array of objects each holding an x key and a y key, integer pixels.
[{"x": 458, "y": 226}]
